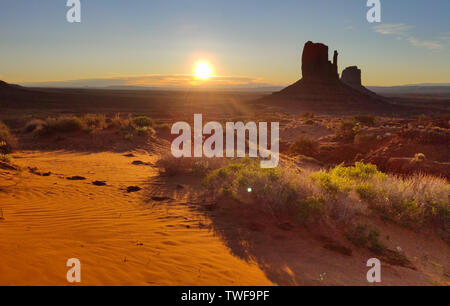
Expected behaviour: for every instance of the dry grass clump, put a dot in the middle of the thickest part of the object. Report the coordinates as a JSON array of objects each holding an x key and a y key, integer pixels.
[
  {"x": 128, "y": 127},
  {"x": 279, "y": 192},
  {"x": 7, "y": 141},
  {"x": 63, "y": 124},
  {"x": 341, "y": 193},
  {"x": 416, "y": 201},
  {"x": 347, "y": 130},
  {"x": 171, "y": 166},
  {"x": 5, "y": 158}
]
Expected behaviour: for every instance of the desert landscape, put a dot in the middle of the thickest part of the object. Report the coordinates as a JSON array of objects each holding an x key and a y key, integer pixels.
[
  {"x": 225, "y": 152},
  {"x": 363, "y": 173}
]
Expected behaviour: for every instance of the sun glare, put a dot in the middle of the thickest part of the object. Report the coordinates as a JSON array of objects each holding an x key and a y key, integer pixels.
[{"x": 203, "y": 70}]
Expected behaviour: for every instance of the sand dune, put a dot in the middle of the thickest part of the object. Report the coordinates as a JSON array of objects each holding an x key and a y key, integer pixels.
[
  {"x": 161, "y": 236},
  {"x": 120, "y": 238}
]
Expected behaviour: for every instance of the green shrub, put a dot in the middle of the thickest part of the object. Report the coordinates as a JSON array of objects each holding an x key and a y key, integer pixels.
[
  {"x": 365, "y": 236},
  {"x": 305, "y": 146},
  {"x": 143, "y": 121},
  {"x": 360, "y": 171},
  {"x": 313, "y": 207}
]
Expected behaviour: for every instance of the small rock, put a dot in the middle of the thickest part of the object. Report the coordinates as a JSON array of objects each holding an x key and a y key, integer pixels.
[
  {"x": 140, "y": 163},
  {"x": 179, "y": 186},
  {"x": 133, "y": 189},
  {"x": 129, "y": 155},
  {"x": 76, "y": 178},
  {"x": 99, "y": 183}
]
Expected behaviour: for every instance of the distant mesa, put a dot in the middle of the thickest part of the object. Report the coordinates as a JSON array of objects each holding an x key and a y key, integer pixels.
[
  {"x": 315, "y": 63},
  {"x": 352, "y": 76},
  {"x": 321, "y": 89}
]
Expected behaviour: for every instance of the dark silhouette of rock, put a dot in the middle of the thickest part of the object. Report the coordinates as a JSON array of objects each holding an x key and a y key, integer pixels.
[
  {"x": 321, "y": 90},
  {"x": 351, "y": 76},
  {"x": 99, "y": 183},
  {"x": 133, "y": 189},
  {"x": 315, "y": 63},
  {"x": 76, "y": 178}
]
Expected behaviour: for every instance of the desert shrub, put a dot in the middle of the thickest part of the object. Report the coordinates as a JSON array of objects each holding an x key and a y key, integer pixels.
[
  {"x": 5, "y": 158},
  {"x": 145, "y": 131},
  {"x": 143, "y": 121},
  {"x": 34, "y": 124},
  {"x": 368, "y": 120},
  {"x": 171, "y": 166},
  {"x": 415, "y": 201},
  {"x": 117, "y": 122},
  {"x": 419, "y": 157},
  {"x": 281, "y": 193},
  {"x": 94, "y": 121},
  {"x": 311, "y": 208},
  {"x": 360, "y": 171},
  {"x": 347, "y": 130},
  {"x": 364, "y": 236},
  {"x": 305, "y": 146},
  {"x": 59, "y": 125},
  {"x": 7, "y": 141}
]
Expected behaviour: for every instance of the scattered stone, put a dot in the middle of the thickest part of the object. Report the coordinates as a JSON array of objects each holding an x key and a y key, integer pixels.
[
  {"x": 140, "y": 163},
  {"x": 133, "y": 189},
  {"x": 129, "y": 155},
  {"x": 99, "y": 183},
  {"x": 36, "y": 172},
  {"x": 76, "y": 178}
]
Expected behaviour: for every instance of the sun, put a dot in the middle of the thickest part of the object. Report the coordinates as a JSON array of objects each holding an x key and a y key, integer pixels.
[{"x": 203, "y": 70}]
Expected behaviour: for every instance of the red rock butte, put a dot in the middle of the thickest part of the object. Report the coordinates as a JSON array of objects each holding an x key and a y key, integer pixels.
[{"x": 320, "y": 88}]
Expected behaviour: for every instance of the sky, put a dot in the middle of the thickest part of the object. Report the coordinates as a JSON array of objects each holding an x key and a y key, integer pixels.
[{"x": 246, "y": 42}]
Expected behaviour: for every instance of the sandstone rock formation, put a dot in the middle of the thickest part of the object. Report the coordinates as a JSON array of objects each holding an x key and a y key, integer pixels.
[
  {"x": 351, "y": 76},
  {"x": 320, "y": 88},
  {"x": 315, "y": 63}
]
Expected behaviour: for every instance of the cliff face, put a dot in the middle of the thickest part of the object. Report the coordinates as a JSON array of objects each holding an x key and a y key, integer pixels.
[
  {"x": 315, "y": 63},
  {"x": 352, "y": 76}
]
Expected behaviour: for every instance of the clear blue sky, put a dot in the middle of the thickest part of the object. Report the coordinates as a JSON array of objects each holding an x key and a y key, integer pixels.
[{"x": 255, "y": 41}]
